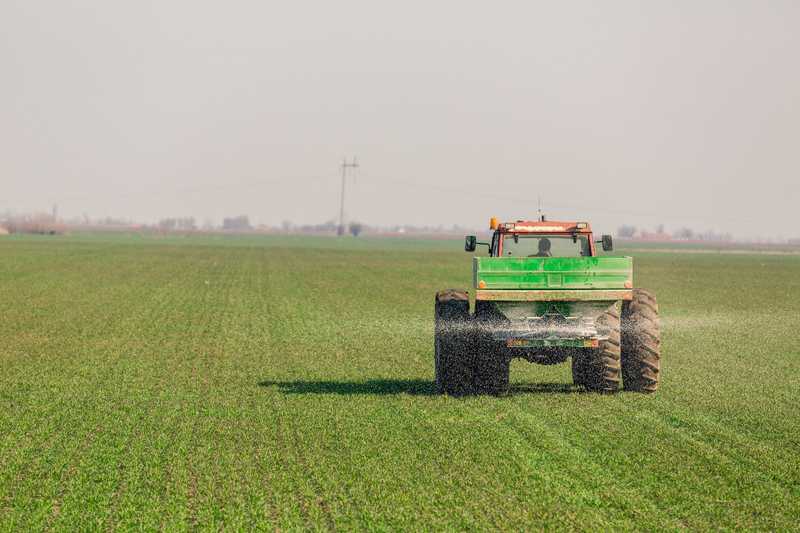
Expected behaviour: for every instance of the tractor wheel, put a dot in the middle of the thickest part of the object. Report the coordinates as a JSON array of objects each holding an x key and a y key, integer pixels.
[
  {"x": 641, "y": 343},
  {"x": 492, "y": 369},
  {"x": 598, "y": 370},
  {"x": 492, "y": 365},
  {"x": 453, "y": 340},
  {"x": 579, "y": 369}
]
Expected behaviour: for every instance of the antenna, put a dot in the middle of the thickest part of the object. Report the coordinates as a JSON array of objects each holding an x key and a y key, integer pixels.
[{"x": 345, "y": 166}]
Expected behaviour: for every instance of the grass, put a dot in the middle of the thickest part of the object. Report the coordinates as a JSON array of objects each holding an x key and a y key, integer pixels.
[{"x": 284, "y": 383}]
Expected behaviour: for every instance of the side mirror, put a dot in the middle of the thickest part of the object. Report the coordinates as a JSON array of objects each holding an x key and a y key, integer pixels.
[
  {"x": 608, "y": 243},
  {"x": 470, "y": 242}
]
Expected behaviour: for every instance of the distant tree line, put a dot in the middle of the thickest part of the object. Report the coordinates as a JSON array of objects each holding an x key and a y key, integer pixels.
[
  {"x": 627, "y": 231},
  {"x": 356, "y": 228}
]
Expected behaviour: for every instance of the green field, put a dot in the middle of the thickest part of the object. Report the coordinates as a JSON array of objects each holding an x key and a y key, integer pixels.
[{"x": 286, "y": 383}]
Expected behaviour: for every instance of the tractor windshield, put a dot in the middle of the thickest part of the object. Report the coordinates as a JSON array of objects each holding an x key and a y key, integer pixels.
[{"x": 519, "y": 245}]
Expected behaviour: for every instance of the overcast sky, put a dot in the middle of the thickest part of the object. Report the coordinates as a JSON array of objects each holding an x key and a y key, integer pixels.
[{"x": 682, "y": 113}]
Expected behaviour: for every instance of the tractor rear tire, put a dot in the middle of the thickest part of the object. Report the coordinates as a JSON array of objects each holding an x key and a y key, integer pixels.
[
  {"x": 579, "y": 369},
  {"x": 599, "y": 370},
  {"x": 492, "y": 363},
  {"x": 641, "y": 343},
  {"x": 453, "y": 344},
  {"x": 492, "y": 369}
]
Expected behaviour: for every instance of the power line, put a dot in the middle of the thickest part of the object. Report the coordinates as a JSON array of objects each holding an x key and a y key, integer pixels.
[
  {"x": 465, "y": 192},
  {"x": 468, "y": 192}
]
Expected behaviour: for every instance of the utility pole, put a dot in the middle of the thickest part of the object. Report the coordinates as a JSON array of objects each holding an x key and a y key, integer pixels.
[{"x": 345, "y": 166}]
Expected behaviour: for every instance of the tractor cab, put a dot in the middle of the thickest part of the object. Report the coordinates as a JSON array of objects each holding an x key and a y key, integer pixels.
[{"x": 542, "y": 238}]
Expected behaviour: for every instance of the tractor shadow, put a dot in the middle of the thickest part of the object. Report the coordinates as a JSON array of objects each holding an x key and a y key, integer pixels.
[{"x": 414, "y": 387}]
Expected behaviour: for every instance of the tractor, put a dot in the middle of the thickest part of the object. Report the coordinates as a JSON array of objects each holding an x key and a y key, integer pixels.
[{"x": 546, "y": 295}]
